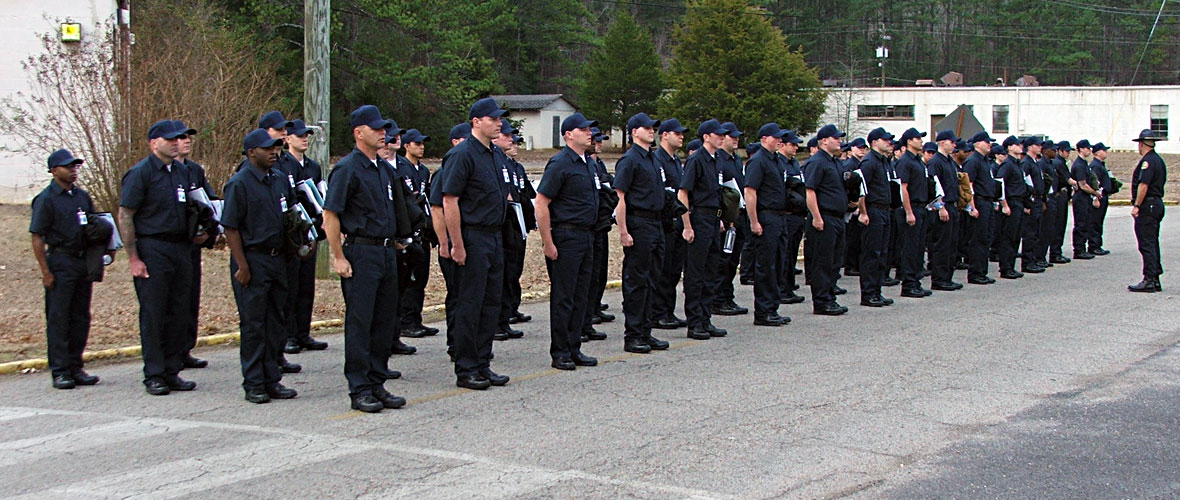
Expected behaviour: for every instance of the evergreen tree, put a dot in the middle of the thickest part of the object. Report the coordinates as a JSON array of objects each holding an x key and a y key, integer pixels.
[
  {"x": 623, "y": 77},
  {"x": 730, "y": 63}
]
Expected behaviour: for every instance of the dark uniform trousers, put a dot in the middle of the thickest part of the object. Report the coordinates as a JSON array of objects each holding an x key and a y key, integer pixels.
[
  {"x": 164, "y": 302},
  {"x": 979, "y": 250},
  {"x": 1147, "y": 235},
  {"x": 944, "y": 242},
  {"x": 190, "y": 340},
  {"x": 1082, "y": 215},
  {"x": 1010, "y": 231},
  {"x": 911, "y": 246},
  {"x": 479, "y": 284},
  {"x": 451, "y": 299},
  {"x": 1060, "y": 221},
  {"x": 852, "y": 243},
  {"x": 841, "y": 252},
  {"x": 1097, "y": 221},
  {"x": 67, "y": 312},
  {"x": 795, "y": 225},
  {"x": 570, "y": 293},
  {"x": 370, "y": 317},
  {"x": 1030, "y": 228},
  {"x": 819, "y": 253},
  {"x": 262, "y": 311},
  {"x": 700, "y": 264},
  {"x": 642, "y": 263},
  {"x": 597, "y": 284},
  {"x": 746, "y": 259},
  {"x": 729, "y": 261},
  {"x": 963, "y": 234},
  {"x": 513, "y": 270},
  {"x": 668, "y": 276},
  {"x": 874, "y": 251},
  {"x": 768, "y": 250},
  {"x": 300, "y": 297},
  {"x": 1045, "y": 231},
  {"x": 413, "y": 295}
]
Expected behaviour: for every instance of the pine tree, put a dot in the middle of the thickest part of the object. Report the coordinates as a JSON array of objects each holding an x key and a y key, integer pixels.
[{"x": 623, "y": 77}]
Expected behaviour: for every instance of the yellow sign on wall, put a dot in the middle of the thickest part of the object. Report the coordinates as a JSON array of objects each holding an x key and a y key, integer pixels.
[{"x": 71, "y": 32}]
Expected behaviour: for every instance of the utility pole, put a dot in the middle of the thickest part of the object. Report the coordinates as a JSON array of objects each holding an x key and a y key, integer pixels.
[{"x": 317, "y": 108}]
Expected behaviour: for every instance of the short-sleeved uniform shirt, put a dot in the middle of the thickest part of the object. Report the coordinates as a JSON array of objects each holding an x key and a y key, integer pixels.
[
  {"x": 56, "y": 216},
  {"x": 943, "y": 168},
  {"x": 1032, "y": 168},
  {"x": 731, "y": 167},
  {"x": 766, "y": 173},
  {"x": 911, "y": 173},
  {"x": 1151, "y": 171},
  {"x": 254, "y": 204},
  {"x": 474, "y": 177},
  {"x": 570, "y": 183},
  {"x": 197, "y": 178},
  {"x": 360, "y": 192},
  {"x": 638, "y": 176},
  {"x": 702, "y": 179},
  {"x": 875, "y": 174},
  {"x": 673, "y": 169},
  {"x": 158, "y": 194},
  {"x": 825, "y": 178},
  {"x": 1080, "y": 171},
  {"x": 1012, "y": 176},
  {"x": 1103, "y": 175}
]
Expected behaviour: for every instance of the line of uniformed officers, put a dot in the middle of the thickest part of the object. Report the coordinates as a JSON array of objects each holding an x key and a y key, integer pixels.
[{"x": 863, "y": 207}]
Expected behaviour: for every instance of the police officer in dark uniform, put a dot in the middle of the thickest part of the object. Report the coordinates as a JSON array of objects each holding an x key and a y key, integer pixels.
[
  {"x": 909, "y": 219},
  {"x": 1064, "y": 193},
  {"x": 403, "y": 172},
  {"x": 459, "y": 133},
  {"x": 827, "y": 202},
  {"x": 475, "y": 204},
  {"x": 796, "y": 219},
  {"x": 766, "y": 208},
  {"x": 255, "y": 199},
  {"x": 60, "y": 214},
  {"x": 639, "y": 183},
  {"x": 523, "y": 193},
  {"x": 514, "y": 247},
  {"x": 567, "y": 209},
  {"x": 360, "y": 207},
  {"x": 983, "y": 187},
  {"x": 1049, "y": 215},
  {"x": 302, "y": 284},
  {"x": 1147, "y": 200},
  {"x": 595, "y": 313},
  {"x": 1035, "y": 204},
  {"x": 700, "y": 192},
  {"x": 731, "y": 164},
  {"x": 1012, "y": 200},
  {"x": 1085, "y": 201},
  {"x": 663, "y": 300},
  {"x": 874, "y": 219},
  {"x": 942, "y": 224},
  {"x": 197, "y": 180},
  {"x": 415, "y": 259},
  {"x": 1098, "y": 166},
  {"x": 849, "y": 258},
  {"x": 152, "y": 223}
]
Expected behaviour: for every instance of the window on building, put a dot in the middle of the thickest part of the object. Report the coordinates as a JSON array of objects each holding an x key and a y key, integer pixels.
[
  {"x": 885, "y": 112},
  {"x": 1000, "y": 119},
  {"x": 1159, "y": 120}
]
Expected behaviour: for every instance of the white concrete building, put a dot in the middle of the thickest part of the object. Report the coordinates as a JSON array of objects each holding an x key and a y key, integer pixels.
[
  {"x": 541, "y": 116},
  {"x": 22, "y": 22},
  {"x": 1112, "y": 115}
]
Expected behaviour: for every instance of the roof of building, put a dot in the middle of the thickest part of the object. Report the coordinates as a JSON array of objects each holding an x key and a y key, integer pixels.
[{"x": 527, "y": 101}]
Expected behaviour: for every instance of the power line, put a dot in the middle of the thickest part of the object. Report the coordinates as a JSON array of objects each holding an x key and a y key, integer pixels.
[{"x": 1149, "y": 35}]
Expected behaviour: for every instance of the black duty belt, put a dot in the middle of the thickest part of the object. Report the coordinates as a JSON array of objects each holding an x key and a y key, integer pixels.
[
  {"x": 273, "y": 252},
  {"x": 483, "y": 229},
  {"x": 832, "y": 213},
  {"x": 172, "y": 238},
  {"x": 362, "y": 240},
  {"x": 986, "y": 198},
  {"x": 566, "y": 225},
  {"x": 879, "y": 206},
  {"x": 707, "y": 211},
  {"x": 67, "y": 251},
  {"x": 646, "y": 214},
  {"x": 772, "y": 211}
]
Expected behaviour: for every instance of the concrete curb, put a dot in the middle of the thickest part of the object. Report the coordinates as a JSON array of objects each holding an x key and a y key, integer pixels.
[{"x": 218, "y": 339}]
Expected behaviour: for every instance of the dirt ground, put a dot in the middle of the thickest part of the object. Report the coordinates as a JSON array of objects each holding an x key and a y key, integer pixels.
[{"x": 115, "y": 309}]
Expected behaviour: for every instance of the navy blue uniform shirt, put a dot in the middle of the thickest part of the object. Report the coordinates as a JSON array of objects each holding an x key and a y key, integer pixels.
[
  {"x": 1151, "y": 171},
  {"x": 570, "y": 183},
  {"x": 1099, "y": 169},
  {"x": 1013, "y": 177},
  {"x": 766, "y": 174},
  {"x": 157, "y": 193},
  {"x": 254, "y": 205},
  {"x": 875, "y": 174},
  {"x": 1080, "y": 171},
  {"x": 672, "y": 167},
  {"x": 360, "y": 192},
  {"x": 197, "y": 179},
  {"x": 731, "y": 167},
  {"x": 824, "y": 177},
  {"x": 979, "y": 171},
  {"x": 943, "y": 167},
  {"x": 1061, "y": 172},
  {"x": 638, "y": 176},
  {"x": 912, "y": 173},
  {"x": 702, "y": 179},
  {"x": 1032, "y": 168},
  {"x": 55, "y": 216},
  {"x": 474, "y": 176}
]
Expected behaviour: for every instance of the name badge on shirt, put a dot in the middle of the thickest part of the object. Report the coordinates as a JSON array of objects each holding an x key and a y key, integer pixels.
[
  {"x": 82, "y": 220},
  {"x": 291, "y": 179},
  {"x": 180, "y": 196},
  {"x": 504, "y": 171},
  {"x": 389, "y": 190},
  {"x": 282, "y": 203},
  {"x": 597, "y": 183},
  {"x": 720, "y": 178},
  {"x": 409, "y": 183},
  {"x": 663, "y": 176}
]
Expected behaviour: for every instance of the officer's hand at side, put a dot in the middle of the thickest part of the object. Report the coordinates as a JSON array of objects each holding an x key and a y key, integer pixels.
[
  {"x": 459, "y": 255},
  {"x": 139, "y": 269},
  {"x": 243, "y": 276},
  {"x": 626, "y": 240},
  {"x": 910, "y": 219},
  {"x": 756, "y": 228},
  {"x": 1006, "y": 211},
  {"x": 864, "y": 219},
  {"x": 1027, "y": 211},
  {"x": 444, "y": 252},
  {"x": 551, "y": 251},
  {"x": 688, "y": 235},
  {"x": 200, "y": 238},
  {"x": 1135, "y": 212},
  {"x": 943, "y": 215},
  {"x": 975, "y": 214},
  {"x": 1097, "y": 203},
  {"x": 47, "y": 280},
  {"x": 398, "y": 246},
  {"x": 341, "y": 266},
  {"x": 818, "y": 223}
]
